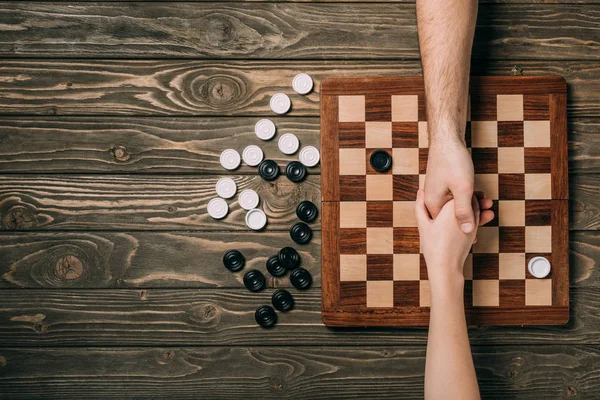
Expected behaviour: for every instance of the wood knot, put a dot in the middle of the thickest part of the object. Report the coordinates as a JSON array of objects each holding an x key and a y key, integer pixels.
[
  {"x": 219, "y": 91},
  {"x": 40, "y": 328},
  {"x": 171, "y": 209},
  {"x": 2, "y": 361},
  {"x": 206, "y": 313},
  {"x": 19, "y": 217},
  {"x": 516, "y": 70},
  {"x": 143, "y": 294},
  {"x": 571, "y": 391},
  {"x": 167, "y": 357},
  {"x": 512, "y": 374},
  {"x": 277, "y": 385},
  {"x": 119, "y": 282},
  {"x": 220, "y": 30},
  {"x": 69, "y": 267},
  {"x": 120, "y": 153}
]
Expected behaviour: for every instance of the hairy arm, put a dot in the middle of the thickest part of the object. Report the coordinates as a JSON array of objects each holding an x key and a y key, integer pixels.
[{"x": 446, "y": 30}]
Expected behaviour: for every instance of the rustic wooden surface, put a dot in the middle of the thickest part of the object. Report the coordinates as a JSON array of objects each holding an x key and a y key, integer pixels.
[{"x": 112, "y": 117}]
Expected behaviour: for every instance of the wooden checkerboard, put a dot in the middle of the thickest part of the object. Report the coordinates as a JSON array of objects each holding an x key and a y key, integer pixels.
[{"x": 373, "y": 272}]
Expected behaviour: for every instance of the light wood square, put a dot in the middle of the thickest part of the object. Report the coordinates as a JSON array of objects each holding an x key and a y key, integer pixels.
[
  {"x": 511, "y": 212},
  {"x": 351, "y": 108},
  {"x": 510, "y": 107},
  {"x": 378, "y": 135},
  {"x": 538, "y": 292},
  {"x": 538, "y": 186},
  {"x": 484, "y": 134},
  {"x": 405, "y": 161},
  {"x": 380, "y": 293},
  {"x": 538, "y": 239},
  {"x": 468, "y": 267},
  {"x": 380, "y": 240},
  {"x": 486, "y": 293},
  {"x": 407, "y": 267},
  {"x": 488, "y": 183},
  {"x": 353, "y": 267},
  {"x": 353, "y": 161},
  {"x": 405, "y": 108},
  {"x": 424, "y": 294},
  {"x": 536, "y": 133},
  {"x": 487, "y": 240},
  {"x": 353, "y": 214},
  {"x": 511, "y": 160},
  {"x": 422, "y": 181},
  {"x": 380, "y": 187},
  {"x": 423, "y": 135},
  {"x": 404, "y": 214},
  {"x": 511, "y": 266}
]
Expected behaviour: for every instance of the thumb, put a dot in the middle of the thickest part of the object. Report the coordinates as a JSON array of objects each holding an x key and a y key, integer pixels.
[
  {"x": 421, "y": 212},
  {"x": 464, "y": 210}
]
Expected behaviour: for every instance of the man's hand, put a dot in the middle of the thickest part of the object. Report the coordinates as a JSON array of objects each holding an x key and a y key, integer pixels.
[{"x": 450, "y": 176}]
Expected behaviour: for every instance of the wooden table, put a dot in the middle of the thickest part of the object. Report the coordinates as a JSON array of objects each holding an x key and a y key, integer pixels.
[{"x": 112, "y": 118}]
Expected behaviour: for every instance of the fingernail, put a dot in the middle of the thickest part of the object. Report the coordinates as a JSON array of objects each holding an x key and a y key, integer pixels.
[{"x": 466, "y": 227}]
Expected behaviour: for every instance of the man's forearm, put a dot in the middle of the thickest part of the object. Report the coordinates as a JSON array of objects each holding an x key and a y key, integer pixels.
[{"x": 446, "y": 31}]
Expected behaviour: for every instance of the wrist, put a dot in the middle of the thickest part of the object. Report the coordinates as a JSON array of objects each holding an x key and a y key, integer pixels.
[{"x": 447, "y": 283}]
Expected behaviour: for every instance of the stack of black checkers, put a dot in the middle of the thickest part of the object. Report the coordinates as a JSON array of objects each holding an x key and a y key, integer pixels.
[{"x": 300, "y": 232}]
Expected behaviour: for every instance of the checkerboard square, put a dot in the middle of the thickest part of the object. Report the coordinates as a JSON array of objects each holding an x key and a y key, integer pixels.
[
  {"x": 536, "y": 107},
  {"x": 405, "y": 187},
  {"x": 423, "y": 157},
  {"x": 406, "y": 241},
  {"x": 538, "y": 212},
  {"x": 353, "y": 267},
  {"x": 537, "y": 133},
  {"x": 487, "y": 183},
  {"x": 538, "y": 292},
  {"x": 512, "y": 239},
  {"x": 511, "y": 212},
  {"x": 405, "y": 161},
  {"x": 406, "y": 293},
  {"x": 353, "y": 214},
  {"x": 422, "y": 268},
  {"x": 485, "y": 266},
  {"x": 486, "y": 293},
  {"x": 511, "y": 160},
  {"x": 510, "y": 107},
  {"x": 351, "y": 135},
  {"x": 510, "y": 133},
  {"x": 468, "y": 267},
  {"x": 538, "y": 186},
  {"x": 423, "y": 135},
  {"x": 380, "y": 214},
  {"x": 353, "y": 240},
  {"x": 405, "y": 108},
  {"x": 352, "y": 162},
  {"x": 380, "y": 294},
  {"x": 512, "y": 265},
  {"x": 353, "y": 188},
  {"x": 468, "y": 294},
  {"x": 424, "y": 294},
  {"x": 370, "y": 169},
  {"x": 380, "y": 267},
  {"x": 351, "y": 108},
  {"x": 483, "y": 107},
  {"x": 353, "y": 294},
  {"x": 537, "y": 160},
  {"x": 511, "y": 186},
  {"x": 406, "y": 267},
  {"x": 487, "y": 240},
  {"x": 538, "y": 239},
  {"x": 484, "y": 134},
  {"x": 512, "y": 293},
  {"x": 485, "y": 160},
  {"x": 380, "y": 240},
  {"x": 379, "y": 187},
  {"x": 378, "y": 135},
  {"x": 404, "y": 214},
  {"x": 405, "y": 134},
  {"x": 530, "y": 256},
  {"x": 378, "y": 108}
]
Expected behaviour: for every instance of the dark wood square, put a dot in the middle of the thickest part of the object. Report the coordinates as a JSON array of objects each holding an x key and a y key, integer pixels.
[
  {"x": 512, "y": 293},
  {"x": 380, "y": 267},
  {"x": 485, "y": 160},
  {"x": 536, "y": 107},
  {"x": 406, "y": 294},
  {"x": 405, "y": 187},
  {"x": 353, "y": 240},
  {"x": 528, "y": 258},
  {"x": 538, "y": 160},
  {"x": 422, "y": 102},
  {"x": 538, "y": 212},
  {"x": 370, "y": 170},
  {"x": 511, "y": 186},
  {"x": 351, "y": 135},
  {"x": 423, "y": 154},
  {"x": 510, "y": 134},
  {"x": 483, "y": 107},
  {"x": 353, "y": 294},
  {"x": 378, "y": 108},
  {"x": 512, "y": 239},
  {"x": 468, "y": 297},
  {"x": 405, "y": 134},
  {"x": 423, "y": 268},
  {"x": 380, "y": 214},
  {"x": 406, "y": 241},
  {"x": 353, "y": 187},
  {"x": 468, "y": 134},
  {"x": 486, "y": 266}
]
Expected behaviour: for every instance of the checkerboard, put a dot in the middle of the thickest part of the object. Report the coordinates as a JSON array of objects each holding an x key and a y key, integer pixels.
[{"x": 373, "y": 272}]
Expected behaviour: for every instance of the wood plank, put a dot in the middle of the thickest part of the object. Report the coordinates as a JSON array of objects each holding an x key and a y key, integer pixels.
[
  {"x": 217, "y": 317},
  {"x": 273, "y": 373},
  {"x": 182, "y": 145},
  {"x": 283, "y": 31},
  {"x": 214, "y": 88},
  {"x": 584, "y": 214},
  {"x": 62, "y": 260},
  {"x": 146, "y": 202}
]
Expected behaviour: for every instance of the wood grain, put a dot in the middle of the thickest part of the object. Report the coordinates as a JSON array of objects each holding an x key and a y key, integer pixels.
[
  {"x": 290, "y": 30},
  {"x": 149, "y": 202},
  {"x": 215, "y": 88},
  {"x": 275, "y": 373}
]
